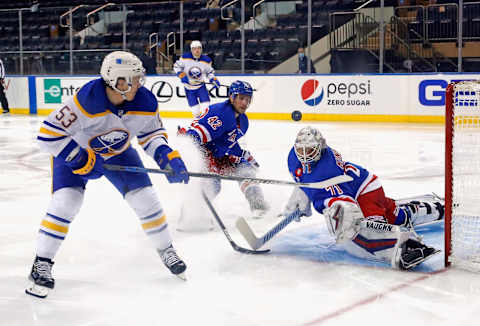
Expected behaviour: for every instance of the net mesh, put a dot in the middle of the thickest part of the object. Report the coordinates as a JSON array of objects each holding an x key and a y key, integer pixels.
[{"x": 466, "y": 176}]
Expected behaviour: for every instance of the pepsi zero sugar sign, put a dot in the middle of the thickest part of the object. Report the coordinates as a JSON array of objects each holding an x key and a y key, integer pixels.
[{"x": 353, "y": 93}]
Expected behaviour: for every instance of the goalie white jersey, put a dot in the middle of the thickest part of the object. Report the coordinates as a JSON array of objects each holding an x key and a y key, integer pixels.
[
  {"x": 94, "y": 122},
  {"x": 197, "y": 70}
]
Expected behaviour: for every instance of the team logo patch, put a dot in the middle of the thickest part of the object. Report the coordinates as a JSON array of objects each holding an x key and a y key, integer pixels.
[
  {"x": 195, "y": 73},
  {"x": 298, "y": 172},
  {"x": 312, "y": 93},
  {"x": 111, "y": 143}
]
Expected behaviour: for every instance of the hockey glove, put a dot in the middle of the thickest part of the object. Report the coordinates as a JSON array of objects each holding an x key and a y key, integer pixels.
[
  {"x": 169, "y": 159},
  {"x": 86, "y": 163},
  {"x": 298, "y": 201},
  {"x": 183, "y": 77},
  {"x": 215, "y": 82},
  {"x": 246, "y": 156}
]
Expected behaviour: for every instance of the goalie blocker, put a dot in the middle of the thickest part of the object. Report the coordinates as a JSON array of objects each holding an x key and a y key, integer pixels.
[{"x": 365, "y": 238}]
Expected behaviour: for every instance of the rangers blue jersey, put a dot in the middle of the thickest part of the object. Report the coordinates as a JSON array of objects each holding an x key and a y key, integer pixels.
[
  {"x": 219, "y": 129},
  {"x": 328, "y": 166}
]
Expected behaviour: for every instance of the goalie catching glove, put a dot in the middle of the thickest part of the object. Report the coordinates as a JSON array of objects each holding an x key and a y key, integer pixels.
[{"x": 168, "y": 159}]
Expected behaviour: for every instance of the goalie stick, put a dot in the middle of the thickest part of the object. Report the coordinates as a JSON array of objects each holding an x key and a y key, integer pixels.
[
  {"x": 253, "y": 241},
  {"x": 227, "y": 235},
  {"x": 316, "y": 185}
]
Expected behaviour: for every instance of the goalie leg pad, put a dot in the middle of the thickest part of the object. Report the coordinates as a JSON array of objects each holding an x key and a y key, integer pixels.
[
  {"x": 379, "y": 242},
  {"x": 423, "y": 212}
]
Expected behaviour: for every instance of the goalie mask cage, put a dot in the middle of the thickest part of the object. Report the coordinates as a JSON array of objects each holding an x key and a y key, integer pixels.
[{"x": 462, "y": 175}]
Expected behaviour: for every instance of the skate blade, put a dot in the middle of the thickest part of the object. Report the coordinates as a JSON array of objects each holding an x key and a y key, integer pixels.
[
  {"x": 181, "y": 276},
  {"x": 37, "y": 291}
]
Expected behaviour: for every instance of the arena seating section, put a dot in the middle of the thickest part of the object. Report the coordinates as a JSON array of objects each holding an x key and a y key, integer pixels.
[{"x": 264, "y": 47}]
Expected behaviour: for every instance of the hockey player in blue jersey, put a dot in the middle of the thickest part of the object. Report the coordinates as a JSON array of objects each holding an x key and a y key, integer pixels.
[
  {"x": 97, "y": 125},
  {"x": 217, "y": 132},
  {"x": 194, "y": 69},
  {"x": 358, "y": 214}
]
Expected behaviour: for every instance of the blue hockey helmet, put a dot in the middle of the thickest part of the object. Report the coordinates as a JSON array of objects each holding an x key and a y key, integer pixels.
[{"x": 240, "y": 87}]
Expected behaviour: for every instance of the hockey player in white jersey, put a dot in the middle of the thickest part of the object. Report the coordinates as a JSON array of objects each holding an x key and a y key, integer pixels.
[
  {"x": 194, "y": 69},
  {"x": 358, "y": 214},
  {"x": 97, "y": 125}
]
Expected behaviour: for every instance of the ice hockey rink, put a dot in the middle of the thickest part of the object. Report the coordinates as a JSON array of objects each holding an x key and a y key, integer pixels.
[{"x": 108, "y": 274}]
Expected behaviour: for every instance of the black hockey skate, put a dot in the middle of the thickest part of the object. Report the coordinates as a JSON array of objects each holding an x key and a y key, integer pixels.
[
  {"x": 41, "y": 277},
  {"x": 414, "y": 253},
  {"x": 173, "y": 262}
]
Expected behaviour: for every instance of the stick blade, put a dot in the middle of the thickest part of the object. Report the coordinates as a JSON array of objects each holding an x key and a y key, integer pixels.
[{"x": 247, "y": 233}]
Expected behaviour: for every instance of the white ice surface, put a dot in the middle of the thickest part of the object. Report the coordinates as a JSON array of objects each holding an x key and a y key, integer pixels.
[{"x": 107, "y": 274}]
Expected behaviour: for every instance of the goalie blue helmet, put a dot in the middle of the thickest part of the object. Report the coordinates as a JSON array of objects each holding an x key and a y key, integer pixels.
[{"x": 240, "y": 87}]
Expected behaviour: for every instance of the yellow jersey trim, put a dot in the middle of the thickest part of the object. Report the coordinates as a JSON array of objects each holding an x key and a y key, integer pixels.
[
  {"x": 152, "y": 137},
  {"x": 49, "y": 132},
  {"x": 140, "y": 113},
  {"x": 172, "y": 155}
]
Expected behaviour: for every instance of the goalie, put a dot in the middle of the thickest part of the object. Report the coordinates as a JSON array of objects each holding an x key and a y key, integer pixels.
[{"x": 358, "y": 214}]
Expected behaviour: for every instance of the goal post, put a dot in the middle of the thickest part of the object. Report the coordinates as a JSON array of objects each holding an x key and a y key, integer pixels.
[{"x": 462, "y": 175}]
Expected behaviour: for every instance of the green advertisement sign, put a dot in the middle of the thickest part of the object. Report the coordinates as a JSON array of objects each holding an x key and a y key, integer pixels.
[{"x": 52, "y": 90}]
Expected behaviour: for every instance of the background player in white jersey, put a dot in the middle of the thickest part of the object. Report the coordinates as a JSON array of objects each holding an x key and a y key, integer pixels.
[
  {"x": 358, "y": 214},
  {"x": 194, "y": 69},
  {"x": 97, "y": 126}
]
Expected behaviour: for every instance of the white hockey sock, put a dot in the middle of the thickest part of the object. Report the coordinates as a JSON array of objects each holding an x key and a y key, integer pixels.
[
  {"x": 145, "y": 203},
  {"x": 203, "y": 106},
  {"x": 196, "y": 110},
  {"x": 64, "y": 206}
]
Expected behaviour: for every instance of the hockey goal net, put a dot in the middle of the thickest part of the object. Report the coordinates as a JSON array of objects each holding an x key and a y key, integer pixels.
[{"x": 462, "y": 172}]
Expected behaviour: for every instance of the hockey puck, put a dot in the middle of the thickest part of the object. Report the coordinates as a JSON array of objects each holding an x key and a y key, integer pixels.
[{"x": 296, "y": 115}]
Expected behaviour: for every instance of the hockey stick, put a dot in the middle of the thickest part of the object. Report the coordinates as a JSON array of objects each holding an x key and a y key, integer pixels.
[
  {"x": 316, "y": 185},
  {"x": 224, "y": 229},
  {"x": 252, "y": 239},
  {"x": 222, "y": 85}
]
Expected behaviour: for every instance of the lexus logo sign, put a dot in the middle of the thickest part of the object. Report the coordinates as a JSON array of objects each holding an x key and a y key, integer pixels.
[{"x": 163, "y": 91}]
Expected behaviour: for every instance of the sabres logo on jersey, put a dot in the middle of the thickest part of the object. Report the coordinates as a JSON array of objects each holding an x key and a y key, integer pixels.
[
  {"x": 195, "y": 73},
  {"x": 110, "y": 143}
]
